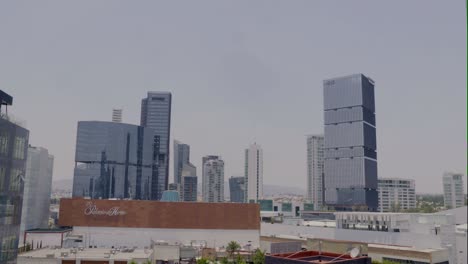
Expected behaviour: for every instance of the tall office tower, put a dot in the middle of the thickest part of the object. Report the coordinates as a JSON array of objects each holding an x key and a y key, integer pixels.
[
  {"x": 13, "y": 155},
  {"x": 156, "y": 114},
  {"x": 453, "y": 190},
  {"x": 315, "y": 158},
  {"x": 350, "y": 164},
  {"x": 396, "y": 194},
  {"x": 181, "y": 157},
  {"x": 237, "y": 189},
  {"x": 117, "y": 115},
  {"x": 189, "y": 183},
  {"x": 213, "y": 179},
  {"x": 115, "y": 160},
  {"x": 253, "y": 173},
  {"x": 190, "y": 188},
  {"x": 37, "y": 190}
]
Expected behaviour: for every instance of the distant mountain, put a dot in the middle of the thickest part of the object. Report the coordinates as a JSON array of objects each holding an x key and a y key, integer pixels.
[{"x": 269, "y": 190}]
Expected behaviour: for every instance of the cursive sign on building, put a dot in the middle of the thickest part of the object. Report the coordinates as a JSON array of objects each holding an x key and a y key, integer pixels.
[{"x": 92, "y": 209}]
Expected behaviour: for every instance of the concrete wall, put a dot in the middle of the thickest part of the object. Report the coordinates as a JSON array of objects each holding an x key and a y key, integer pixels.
[
  {"x": 48, "y": 239},
  {"x": 141, "y": 237}
]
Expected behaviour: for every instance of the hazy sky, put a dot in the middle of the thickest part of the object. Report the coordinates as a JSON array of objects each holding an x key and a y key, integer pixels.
[{"x": 243, "y": 71}]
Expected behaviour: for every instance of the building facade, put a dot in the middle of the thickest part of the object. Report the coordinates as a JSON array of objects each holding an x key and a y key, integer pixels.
[
  {"x": 190, "y": 188},
  {"x": 115, "y": 160},
  {"x": 37, "y": 190},
  {"x": 350, "y": 164},
  {"x": 156, "y": 114},
  {"x": 213, "y": 179},
  {"x": 181, "y": 157},
  {"x": 140, "y": 222},
  {"x": 13, "y": 155},
  {"x": 396, "y": 194},
  {"x": 453, "y": 190},
  {"x": 315, "y": 174},
  {"x": 253, "y": 173},
  {"x": 237, "y": 189}
]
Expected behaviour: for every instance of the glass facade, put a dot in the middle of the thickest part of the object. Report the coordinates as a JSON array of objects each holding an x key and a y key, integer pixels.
[
  {"x": 37, "y": 189},
  {"x": 237, "y": 189},
  {"x": 190, "y": 188},
  {"x": 350, "y": 165},
  {"x": 181, "y": 157},
  {"x": 13, "y": 154},
  {"x": 115, "y": 160},
  {"x": 156, "y": 114}
]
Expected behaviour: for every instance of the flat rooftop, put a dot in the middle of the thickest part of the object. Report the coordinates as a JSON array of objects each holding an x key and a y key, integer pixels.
[{"x": 88, "y": 253}]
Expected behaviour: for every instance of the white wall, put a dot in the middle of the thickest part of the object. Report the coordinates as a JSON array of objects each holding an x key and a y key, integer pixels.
[
  {"x": 48, "y": 239},
  {"x": 141, "y": 237}
]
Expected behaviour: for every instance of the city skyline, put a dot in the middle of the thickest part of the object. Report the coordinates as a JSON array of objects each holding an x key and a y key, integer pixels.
[{"x": 234, "y": 78}]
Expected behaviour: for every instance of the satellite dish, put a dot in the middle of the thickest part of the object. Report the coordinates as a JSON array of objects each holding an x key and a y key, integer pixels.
[{"x": 354, "y": 252}]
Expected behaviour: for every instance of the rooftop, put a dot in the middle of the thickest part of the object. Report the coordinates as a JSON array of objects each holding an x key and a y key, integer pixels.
[{"x": 89, "y": 253}]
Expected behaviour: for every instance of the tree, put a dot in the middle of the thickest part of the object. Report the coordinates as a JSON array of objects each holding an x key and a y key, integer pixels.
[
  {"x": 224, "y": 260},
  {"x": 240, "y": 260},
  {"x": 258, "y": 257},
  {"x": 232, "y": 247},
  {"x": 202, "y": 261}
]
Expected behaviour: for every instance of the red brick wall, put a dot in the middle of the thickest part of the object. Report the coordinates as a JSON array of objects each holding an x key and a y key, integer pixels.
[{"x": 155, "y": 214}]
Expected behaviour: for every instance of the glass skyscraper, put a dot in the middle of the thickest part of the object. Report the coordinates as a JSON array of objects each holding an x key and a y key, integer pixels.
[
  {"x": 37, "y": 189},
  {"x": 350, "y": 164},
  {"x": 181, "y": 157},
  {"x": 237, "y": 189},
  {"x": 156, "y": 114},
  {"x": 115, "y": 160},
  {"x": 13, "y": 155}
]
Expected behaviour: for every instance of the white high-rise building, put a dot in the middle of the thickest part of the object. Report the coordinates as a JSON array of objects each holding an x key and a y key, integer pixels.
[
  {"x": 213, "y": 179},
  {"x": 396, "y": 194},
  {"x": 37, "y": 189},
  {"x": 254, "y": 173},
  {"x": 453, "y": 190},
  {"x": 315, "y": 175}
]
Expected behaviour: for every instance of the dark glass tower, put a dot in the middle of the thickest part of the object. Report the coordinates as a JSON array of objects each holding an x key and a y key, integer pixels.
[
  {"x": 350, "y": 144},
  {"x": 237, "y": 189},
  {"x": 156, "y": 114},
  {"x": 13, "y": 154},
  {"x": 114, "y": 160}
]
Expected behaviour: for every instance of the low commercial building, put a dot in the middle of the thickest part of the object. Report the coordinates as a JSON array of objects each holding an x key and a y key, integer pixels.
[
  {"x": 86, "y": 256},
  {"x": 102, "y": 223},
  {"x": 408, "y": 254},
  {"x": 39, "y": 238},
  {"x": 315, "y": 257},
  {"x": 273, "y": 245},
  {"x": 412, "y": 230}
]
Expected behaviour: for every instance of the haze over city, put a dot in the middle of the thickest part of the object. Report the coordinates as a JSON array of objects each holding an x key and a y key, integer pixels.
[{"x": 243, "y": 72}]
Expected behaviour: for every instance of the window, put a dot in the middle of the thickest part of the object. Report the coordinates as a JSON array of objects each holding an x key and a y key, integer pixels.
[
  {"x": 18, "y": 151},
  {"x": 4, "y": 143},
  {"x": 15, "y": 180},
  {"x": 2, "y": 177}
]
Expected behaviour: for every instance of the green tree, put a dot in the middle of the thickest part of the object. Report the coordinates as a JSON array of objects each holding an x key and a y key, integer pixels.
[
  {"x": 258, "y": 257},
  {"x": 240, "y": 260},
  {"x": 232, "y": 247},
  {"x": 202, "y": 261},
  {"x": 224, "y": 260}
]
